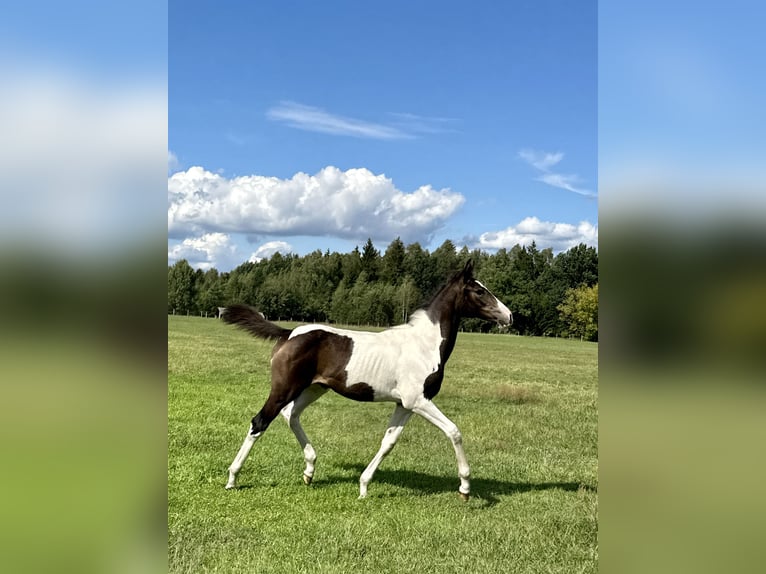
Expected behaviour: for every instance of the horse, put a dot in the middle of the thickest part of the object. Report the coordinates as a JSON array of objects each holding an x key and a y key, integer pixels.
[{"x": 403, "y": 364}]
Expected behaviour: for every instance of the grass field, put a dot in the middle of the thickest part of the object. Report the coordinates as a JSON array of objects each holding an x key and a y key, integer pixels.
[{"x": 527, "y": 408}]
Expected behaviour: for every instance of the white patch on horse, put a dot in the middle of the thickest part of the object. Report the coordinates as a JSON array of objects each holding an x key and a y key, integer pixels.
[
  {"x": 504, "y": 311},
  {"x": 395, "y": 362}
]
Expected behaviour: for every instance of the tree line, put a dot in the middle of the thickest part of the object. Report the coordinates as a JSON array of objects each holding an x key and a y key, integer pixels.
[{"x": 548, "y": 295}]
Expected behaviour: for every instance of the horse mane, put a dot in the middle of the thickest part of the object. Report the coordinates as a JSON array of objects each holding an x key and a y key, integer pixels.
[{"x": 449, "y": 283}]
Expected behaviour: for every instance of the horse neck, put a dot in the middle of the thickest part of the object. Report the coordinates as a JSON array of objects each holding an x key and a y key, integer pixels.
[{"x": 443, "y": 310}]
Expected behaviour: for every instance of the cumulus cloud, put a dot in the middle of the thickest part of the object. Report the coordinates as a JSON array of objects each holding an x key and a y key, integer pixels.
[
  {"x": 559, "y": 236},
  {"x": 543, "y": 162},
  {"x": 208, "y": 250},
  {"x": 353, "y": 204},
  {"x": 270, "y": 248}
]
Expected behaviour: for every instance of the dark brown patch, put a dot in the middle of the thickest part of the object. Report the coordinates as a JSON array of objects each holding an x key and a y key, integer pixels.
[
  {"x": 433, "y": 383},
  {"x": 358, "y": 391},
  {"x": 333, "y": 352},
  {"x": 293, "y": 366}
]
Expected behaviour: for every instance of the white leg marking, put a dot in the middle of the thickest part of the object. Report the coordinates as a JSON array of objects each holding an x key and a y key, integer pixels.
[
  {"x": 239, "y": 460},
  {"x": 292, "y": 413},
  {"x": 432, "y": 414},
  {"x": 395, "y": 428},
  {"x": 287, "y": 411}
]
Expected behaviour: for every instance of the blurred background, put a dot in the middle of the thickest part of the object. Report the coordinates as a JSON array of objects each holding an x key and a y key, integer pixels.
[
  {"x": 83, "y": 166},
  {"x": 682, "y": 361},
  {"x": 83, "y": 162}
]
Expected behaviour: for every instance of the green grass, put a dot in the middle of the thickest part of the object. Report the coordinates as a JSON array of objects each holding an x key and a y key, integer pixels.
[{"x": 527, "y": 408}]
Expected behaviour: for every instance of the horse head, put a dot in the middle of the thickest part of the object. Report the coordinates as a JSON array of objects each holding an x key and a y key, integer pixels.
[{"x": 479, "y": 302}]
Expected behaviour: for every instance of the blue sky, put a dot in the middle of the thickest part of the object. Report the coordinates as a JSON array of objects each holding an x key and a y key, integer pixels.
[
  {"x": 681, "y": 119},
  {"x": 313, "y": 125}
]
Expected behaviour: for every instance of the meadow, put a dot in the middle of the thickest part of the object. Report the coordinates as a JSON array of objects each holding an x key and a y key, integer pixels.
[{"x": 527, "y": 408}]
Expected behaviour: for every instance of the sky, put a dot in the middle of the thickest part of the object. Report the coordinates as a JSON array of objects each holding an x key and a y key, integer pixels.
[
  {"x": 680, "y": 108},
  {"x": 315, "y": 125},
  {"x": 83, "y": 129},
  {"x": 448, "y": 117}
]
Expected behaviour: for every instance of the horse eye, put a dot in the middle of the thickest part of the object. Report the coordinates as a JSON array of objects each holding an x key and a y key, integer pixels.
[{"x": 481, "y": 292}]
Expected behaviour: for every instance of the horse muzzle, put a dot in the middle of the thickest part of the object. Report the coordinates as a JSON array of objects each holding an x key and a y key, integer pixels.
[{"x": 503, "y": 315}]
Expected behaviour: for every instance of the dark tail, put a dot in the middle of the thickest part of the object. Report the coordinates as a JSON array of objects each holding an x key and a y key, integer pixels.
[{"x": 253, "y": 322}]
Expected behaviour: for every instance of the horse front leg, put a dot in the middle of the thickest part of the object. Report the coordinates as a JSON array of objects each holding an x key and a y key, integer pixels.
[{"x": 432, "y": 414}]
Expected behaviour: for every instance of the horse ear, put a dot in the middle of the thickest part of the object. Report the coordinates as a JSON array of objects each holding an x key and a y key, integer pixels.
[{"x": 468, "y": 270}]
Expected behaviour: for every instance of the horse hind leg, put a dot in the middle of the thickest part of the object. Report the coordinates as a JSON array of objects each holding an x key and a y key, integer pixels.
[
  {"x": 292, "y": 414},
  {"x": 258, "y": 426},
  {"x": 239, "y": 460}
]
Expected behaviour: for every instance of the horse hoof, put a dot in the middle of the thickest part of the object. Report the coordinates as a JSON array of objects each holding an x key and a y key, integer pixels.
[
  {"x": 230, "y": 486},
  {"x": 307, "y": 479},
  {"x": 464, "y": 496}
]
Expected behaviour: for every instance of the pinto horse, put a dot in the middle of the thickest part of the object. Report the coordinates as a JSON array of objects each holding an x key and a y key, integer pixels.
[{"x": 403, "y": 365}]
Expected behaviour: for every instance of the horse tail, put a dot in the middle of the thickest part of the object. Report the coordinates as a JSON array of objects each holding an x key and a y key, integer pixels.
[{"x": 253, "y": 322}]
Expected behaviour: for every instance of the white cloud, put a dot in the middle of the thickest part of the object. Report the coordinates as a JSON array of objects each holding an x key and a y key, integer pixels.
[
  {"x": 543, "y": 162},
  {"x": 314, "y": 119},
  {"x": 415, "y": 124},
  {"x": 204, "y": 252},
  {"x": 353, "y": 204},
  {"x": 565, "y": 182},
  {"x": 540, "y": 160},
  {"x": 401, "y": 125},
  {"x": 559, "y": 236},
  {"x": 270, "y": 248},
  {"x": 173, "y": 163}
]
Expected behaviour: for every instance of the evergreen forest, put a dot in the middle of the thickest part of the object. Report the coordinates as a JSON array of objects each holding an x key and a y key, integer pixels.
[{"x": 549, "y": 295}]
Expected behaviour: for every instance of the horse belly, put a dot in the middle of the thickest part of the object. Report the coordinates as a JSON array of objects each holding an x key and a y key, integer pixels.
[{"x": 377, "y": 368}]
